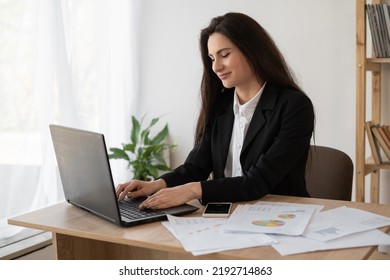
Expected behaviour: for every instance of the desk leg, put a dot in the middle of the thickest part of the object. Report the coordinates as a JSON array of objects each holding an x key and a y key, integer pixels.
[{"x": 76, "y": 248}]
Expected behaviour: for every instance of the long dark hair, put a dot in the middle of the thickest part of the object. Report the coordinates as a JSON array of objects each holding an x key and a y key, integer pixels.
[{"x": 255, "y": 44}]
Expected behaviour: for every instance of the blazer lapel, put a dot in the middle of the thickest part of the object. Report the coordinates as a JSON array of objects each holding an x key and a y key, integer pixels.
[
  {"x": 225, "y": 128},
  {"x": 267, "y": 102}
]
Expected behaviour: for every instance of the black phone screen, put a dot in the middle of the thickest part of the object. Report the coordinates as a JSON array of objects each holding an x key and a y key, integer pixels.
[{"x": 217, "y": 208}]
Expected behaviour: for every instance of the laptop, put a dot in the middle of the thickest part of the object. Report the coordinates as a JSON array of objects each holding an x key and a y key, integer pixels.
[{"x": 87, "y": 179}]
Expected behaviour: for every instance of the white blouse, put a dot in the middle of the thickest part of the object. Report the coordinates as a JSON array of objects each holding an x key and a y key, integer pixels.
[{"x": 242, "y": 118}]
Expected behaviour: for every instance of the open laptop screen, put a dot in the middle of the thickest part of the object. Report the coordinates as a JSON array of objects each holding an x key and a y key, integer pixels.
[{"x": 85, "y": 171}]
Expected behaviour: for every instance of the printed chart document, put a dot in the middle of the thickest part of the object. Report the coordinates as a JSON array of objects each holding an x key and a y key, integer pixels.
[
  {"x": 343, "y": 221},
  {"x": 203, "y": 235},
  {"x": 289, "y": 219},
  {"x": 289, "y": 228}
]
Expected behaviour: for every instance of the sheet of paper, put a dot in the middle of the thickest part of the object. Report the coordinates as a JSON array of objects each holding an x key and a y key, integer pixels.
[
  {"x": 288, "y": 245},
  {"x": 283, "y": 204},
  {"x": 342, "y": 221},
  {"x": 203, "y": 235},
  {"x": 289, "y": 219}
]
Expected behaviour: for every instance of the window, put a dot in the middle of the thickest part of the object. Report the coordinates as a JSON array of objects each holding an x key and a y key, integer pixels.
[{"x": 68, "y": 62}]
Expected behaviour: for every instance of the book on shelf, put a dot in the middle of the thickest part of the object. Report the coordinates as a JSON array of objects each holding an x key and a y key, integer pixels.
[
  {"x": 378, "y": 16},
  {"x": 386, "y": 131},
  {"x": 384, "y": 136},
  {"x": 381, "y": 139},
  {"x": 374, "y": 145},
  {"x": 372, "y": 21},
  {"x": 386, "y": 22}
]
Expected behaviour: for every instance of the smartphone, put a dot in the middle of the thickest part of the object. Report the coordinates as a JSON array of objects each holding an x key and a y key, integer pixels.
[{"x": 217, "y": 210}]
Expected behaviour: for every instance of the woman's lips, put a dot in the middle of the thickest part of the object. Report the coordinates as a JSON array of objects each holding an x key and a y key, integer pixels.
[{"x": 223, "y": 76}]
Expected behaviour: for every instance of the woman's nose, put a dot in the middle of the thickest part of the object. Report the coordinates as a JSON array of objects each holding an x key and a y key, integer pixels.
[{"x": 217, "y": 65}]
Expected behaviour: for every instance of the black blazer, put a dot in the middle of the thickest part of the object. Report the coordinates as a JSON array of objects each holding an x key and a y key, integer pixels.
[{"x": 273, "y": 156}]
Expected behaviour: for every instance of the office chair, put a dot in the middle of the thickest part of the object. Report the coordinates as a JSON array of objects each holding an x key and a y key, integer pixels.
[{"x": 329, "y": 173}]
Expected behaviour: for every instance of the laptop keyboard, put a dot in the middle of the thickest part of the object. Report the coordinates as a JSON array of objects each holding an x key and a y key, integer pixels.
[{"x": 130, "y": 209}]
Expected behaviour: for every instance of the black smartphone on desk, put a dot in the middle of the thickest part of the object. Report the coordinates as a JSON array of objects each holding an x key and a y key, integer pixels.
[{"x": 217, "y": 210}]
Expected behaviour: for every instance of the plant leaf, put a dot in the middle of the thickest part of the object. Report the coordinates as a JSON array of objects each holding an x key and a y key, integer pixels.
[
  {"x": 145, "y": 132},
  {"x": 162, "y": 167},
  {"x": 160, "y": 136},
  {"x": 160, "y": 159},
  {"x": 152, "y": 123},
  {"x": 135, "y": 130},
  {"x": 152, "y": 171},
  {"x": 145, "y": 137},
  {"x": 129, "y": 147},
  {"x": 118, "y": 154}
]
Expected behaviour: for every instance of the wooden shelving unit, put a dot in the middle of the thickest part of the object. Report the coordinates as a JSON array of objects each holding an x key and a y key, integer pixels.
[{"x": 364, "y": 64}]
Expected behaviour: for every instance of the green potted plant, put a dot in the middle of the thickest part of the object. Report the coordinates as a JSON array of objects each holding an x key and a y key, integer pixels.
[{"x": 144, "y": 153}]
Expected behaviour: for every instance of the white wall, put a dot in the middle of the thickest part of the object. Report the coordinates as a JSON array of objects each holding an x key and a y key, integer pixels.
[{"x": 317, "y": 39}]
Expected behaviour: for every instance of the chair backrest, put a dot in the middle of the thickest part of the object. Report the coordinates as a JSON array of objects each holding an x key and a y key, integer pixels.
[{"x": 329, "y": 173}]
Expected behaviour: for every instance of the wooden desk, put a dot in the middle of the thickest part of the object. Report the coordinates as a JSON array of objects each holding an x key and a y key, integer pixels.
[{"x": 78, "y": 234}]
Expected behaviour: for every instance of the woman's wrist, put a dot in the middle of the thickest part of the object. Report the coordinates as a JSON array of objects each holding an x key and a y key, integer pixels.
[
  {"x": 196, "y": 190},
  {"x": 161, "y": 184}
]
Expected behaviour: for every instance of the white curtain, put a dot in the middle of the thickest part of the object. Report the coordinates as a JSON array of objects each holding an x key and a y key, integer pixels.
[{"x": 70, "y": 62}]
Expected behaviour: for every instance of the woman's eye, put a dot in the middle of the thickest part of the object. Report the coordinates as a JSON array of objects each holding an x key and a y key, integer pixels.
[{"x": 225, "y": 55}]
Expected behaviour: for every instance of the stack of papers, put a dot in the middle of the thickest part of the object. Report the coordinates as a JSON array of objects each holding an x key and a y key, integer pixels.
[
  {"x": 342, "y": 221},
  {"x": 289, "y": 228},
  {"x": 337, "y": 228},
  {"x": 204, "y": 236}
]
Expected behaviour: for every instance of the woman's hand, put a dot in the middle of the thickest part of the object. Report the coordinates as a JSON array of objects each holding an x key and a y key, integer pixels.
[
  {"x": 137, "y": 188},
  {"x": 169, "y": 197}
]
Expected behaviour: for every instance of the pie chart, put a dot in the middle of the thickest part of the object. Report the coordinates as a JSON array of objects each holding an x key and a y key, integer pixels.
[
  {"x": 286, "y": 216},
  {"x": 268, "y": 223}
]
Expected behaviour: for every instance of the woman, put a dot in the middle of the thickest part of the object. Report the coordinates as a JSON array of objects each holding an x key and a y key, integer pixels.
[{"x": 254, "y": 128}]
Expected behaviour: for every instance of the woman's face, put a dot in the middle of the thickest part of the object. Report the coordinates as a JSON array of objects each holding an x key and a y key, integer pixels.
[{"x": 229, "y": 63}]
